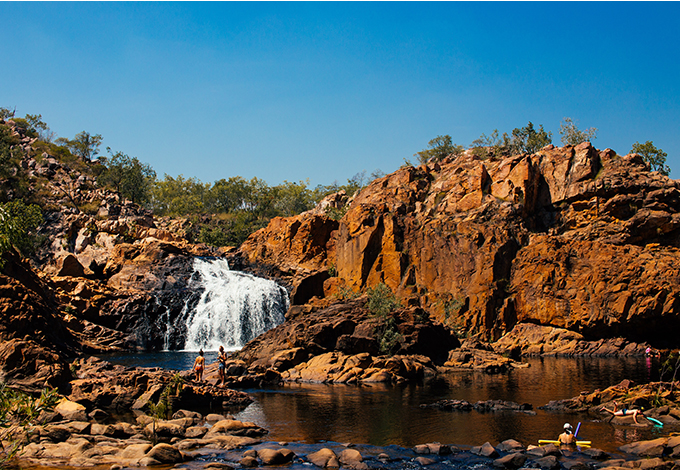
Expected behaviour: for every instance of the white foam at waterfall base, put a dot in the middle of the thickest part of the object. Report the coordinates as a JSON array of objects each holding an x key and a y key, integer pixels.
[{"x": 234, "y": 308}]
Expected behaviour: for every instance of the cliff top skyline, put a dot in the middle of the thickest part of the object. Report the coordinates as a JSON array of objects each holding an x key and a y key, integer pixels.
[{"x": 289, "y": 91}]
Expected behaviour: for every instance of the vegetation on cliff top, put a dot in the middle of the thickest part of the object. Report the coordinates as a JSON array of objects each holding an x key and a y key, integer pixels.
[{"x": 227, "y": 211}]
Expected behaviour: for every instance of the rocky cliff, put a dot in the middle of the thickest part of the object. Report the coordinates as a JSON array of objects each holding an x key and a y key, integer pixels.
[
  {"x": 108, "y": 276},
  {"x": 568, "y": 237},
  {"x": 571, "y": 238}
]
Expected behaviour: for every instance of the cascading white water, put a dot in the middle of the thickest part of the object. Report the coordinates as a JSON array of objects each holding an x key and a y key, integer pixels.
[{"x": 234, "y": 308}]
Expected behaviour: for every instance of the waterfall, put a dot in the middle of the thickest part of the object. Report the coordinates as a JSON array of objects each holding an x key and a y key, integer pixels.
[{"x": 234, "y": 307}]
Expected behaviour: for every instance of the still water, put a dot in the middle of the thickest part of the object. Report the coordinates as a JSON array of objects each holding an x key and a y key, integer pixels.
[{"x": 384, "y": 415}]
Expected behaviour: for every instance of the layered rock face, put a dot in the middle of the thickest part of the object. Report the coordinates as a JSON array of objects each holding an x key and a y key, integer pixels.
[
  {"x": 568, "y": 237},
  {"x": 106, "y": 273},
  {"x": 342, "y": 343}
]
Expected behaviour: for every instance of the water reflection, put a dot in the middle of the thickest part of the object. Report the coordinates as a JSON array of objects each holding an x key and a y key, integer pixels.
[{"x": 384, "y": 415}]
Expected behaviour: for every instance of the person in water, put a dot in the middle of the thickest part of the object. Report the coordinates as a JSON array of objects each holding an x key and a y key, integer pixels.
[
  {"x": 623, "y": 412},
  {"x": 222, "y": 359},
  {"x": 567, "y": 438},
  {"x": 199, "y": 365}
]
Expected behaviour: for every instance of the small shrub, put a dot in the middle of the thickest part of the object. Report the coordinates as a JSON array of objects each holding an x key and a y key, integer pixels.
[
  {"x": 19, "y": 411},
  {"x": 345, "y": 293},
  {"x": 381, "y": 301},
  {"x": 390, "y": 337},
  {"x": 336, "y": 213}
]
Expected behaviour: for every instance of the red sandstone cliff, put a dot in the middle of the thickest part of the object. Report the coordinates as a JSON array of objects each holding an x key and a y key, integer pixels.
[{"x": 570, "y": 237}]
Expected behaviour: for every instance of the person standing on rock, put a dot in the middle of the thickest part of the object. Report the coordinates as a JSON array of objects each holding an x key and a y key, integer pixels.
[
  {"x": 567, "y": 438},
  {"x": 222, "y": 359},
  {"x": 199, "y": 365}
]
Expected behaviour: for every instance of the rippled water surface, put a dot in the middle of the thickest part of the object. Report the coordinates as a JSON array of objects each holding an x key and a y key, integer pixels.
[{"x": 384, "y": 415}]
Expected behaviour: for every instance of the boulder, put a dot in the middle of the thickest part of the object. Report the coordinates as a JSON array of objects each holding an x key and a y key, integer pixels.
[
  {"x": 275, "y": 456},
  {"x": 164, "y": 453},
  {"x": 324, "y": 458},
  {"x": 653, "y": 448},
  {"x": 350, "y": 457},
  {"x": 485, "y": 450},
  {"x": 512, "y": 461}
]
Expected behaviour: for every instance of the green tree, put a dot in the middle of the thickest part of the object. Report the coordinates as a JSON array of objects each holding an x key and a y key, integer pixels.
[
  {"x": 571, "y": 135},
  {"x": 529, "y": 140},
  {"x": 6, "y": 113},
  {"x": 652, "y": 155},
  {"x": 228, "y": 195},
  {"x": 40, "y": 128},
  {"x": 128, "y": 176},
  {"x": 178, "y": 196},
  {"x": 18, "y": 223},
  {"x": 10, "y": 151},
  {"x": 84, "y": 145},
  {"x": 439, "y": 148},
  {"x": 293, "y": 198},
  {"x": 493, "y": 144}
]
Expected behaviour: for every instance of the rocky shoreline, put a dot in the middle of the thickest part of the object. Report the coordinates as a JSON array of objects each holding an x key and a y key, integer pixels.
[
  {"x": 82, "y": 431},
  {"x": 190, "y": 440}
]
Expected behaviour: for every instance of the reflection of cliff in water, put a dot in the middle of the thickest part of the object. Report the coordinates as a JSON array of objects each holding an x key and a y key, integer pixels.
[{"x": 384, "y": 415}]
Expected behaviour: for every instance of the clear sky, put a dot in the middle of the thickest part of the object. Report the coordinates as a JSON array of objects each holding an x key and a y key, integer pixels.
[{"x": 321, "y": 91}]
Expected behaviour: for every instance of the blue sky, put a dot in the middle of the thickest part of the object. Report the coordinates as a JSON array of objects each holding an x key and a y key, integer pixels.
[{"x": 321, "y": 91}]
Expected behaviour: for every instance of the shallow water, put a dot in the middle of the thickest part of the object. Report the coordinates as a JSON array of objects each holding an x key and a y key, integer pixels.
[{"x": 383, "y": 415}]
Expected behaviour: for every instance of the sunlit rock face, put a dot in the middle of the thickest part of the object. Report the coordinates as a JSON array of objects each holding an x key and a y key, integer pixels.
[{"x": 568, "y": 237}]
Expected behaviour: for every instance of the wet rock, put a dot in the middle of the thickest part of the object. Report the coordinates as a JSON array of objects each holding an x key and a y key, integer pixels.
[
  {"x": 485, "y": 450},
  {"x": 56, "y": 433},
  {"x": 249, "y": 462},
  {"x": 275, "y": 456},
  {"x": 433, "y": 448},
  {"x": 383, "y": 457},
  {"x": 424, "y": 461},
  {"x": 481, "y": 406},
  {"x": 511, "y": 461},
  {"x": 575, "y": 465},
  {"x": 467, "y": 357},
  {"x": 135, "y": 451},
  {"x": 71, "y": 411},
  {"x": 149, "y": 462},
  {"x": 350, "y": 458},
  {"x": 164, "y": 429},
  {"x": 549, "y": 462},
  {"x": 233, "y": 427},
  {"x": 653, "y": 448},
  {"x": 510, "y": 445},
  {"x": 195, "y": 432},
  {"x": 596, "y": 454},
  {"x": 164, "y": 453},
  {"x": 324, "y": 458},
  {"x": 99, "y": 415}
]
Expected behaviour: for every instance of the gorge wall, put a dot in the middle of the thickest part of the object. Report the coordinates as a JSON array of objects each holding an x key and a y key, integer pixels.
[{"x": 569, "y": 237}]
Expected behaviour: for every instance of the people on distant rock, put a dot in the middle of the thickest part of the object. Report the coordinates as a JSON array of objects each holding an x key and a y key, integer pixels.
[
  {"x": 651, "y": 352},
  {"x": 567, "y": 438},
  {"x": 222, "y": 359},
  {"x": 199, "y": 365},
  {"x": 623, "y": 412}
]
